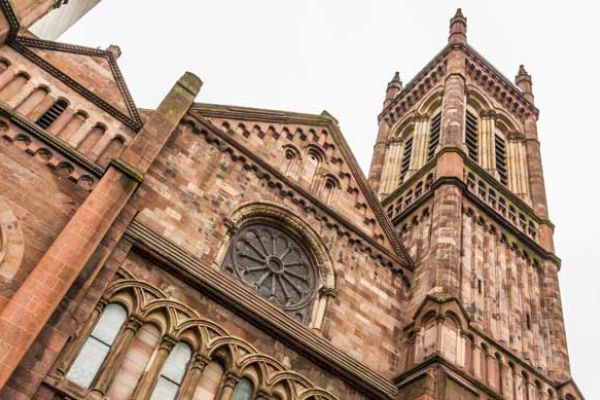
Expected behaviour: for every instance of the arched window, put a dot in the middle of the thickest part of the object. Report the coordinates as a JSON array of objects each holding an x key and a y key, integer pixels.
[
  {"x": 500, "y": 148},
  {"x": 406, "y": 155},
  {"x": 96, "y": 348},
  {"x": 244, "y": 390},
  {"x": 172, "y": 373},
  {"x": 276, "y": 264},
  {"x": 434, "y": 135},
  {"x": 311, "y": 165},
  {"x": 472, "y": 136},
  {"x": 52, "y": 114},
  {"x": 329, "y": 189},
  {"x": 289, "y": 161}
]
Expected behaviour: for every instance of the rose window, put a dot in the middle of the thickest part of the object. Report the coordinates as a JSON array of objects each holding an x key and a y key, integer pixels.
[{"x": 276, "y": 265}]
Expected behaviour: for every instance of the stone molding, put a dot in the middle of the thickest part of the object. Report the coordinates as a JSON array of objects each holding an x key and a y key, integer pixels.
[
  {"x": 247, "y": 304},
  {"x": 307, "y": 200},
  {"x": 438, "y": 360},
  {"x": 328, "y": 121},
  {"x": 413, "y": 91},
  {"x": 21, "y": 44},
  {"x": 81, "y": 169}
]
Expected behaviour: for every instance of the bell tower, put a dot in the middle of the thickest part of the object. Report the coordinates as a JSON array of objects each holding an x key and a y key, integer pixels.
[{"x": 457, "y": 167}]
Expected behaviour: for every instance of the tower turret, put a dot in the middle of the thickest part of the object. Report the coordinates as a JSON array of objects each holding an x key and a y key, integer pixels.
[
  {"x": 458, "y": 28},
  {"x": 523, "y": 82},
  {"x": 393, "y": 88}
]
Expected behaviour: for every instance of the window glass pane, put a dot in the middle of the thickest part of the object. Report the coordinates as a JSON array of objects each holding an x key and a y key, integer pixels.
[
  {"x": 88, "y": 362},
  {"x": 243, "y": 390},
  {"x": 174, "y": 368},
  {"x": 110, "y": 323},
  {"x": 164, "y": 390},
  {"x": 97, "y": 346}
]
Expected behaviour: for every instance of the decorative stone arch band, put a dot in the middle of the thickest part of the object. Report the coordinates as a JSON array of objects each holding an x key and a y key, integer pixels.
[
  {"x": 301, "y": 238},
  {"x": 176, "y": 322}
]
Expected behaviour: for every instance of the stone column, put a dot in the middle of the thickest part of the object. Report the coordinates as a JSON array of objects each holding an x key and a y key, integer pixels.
[
  {"x": 391, "y": 178},
  {"x": 487, "y": 144},
  {"x": 192, "y": 377},
  {"x": 68, "y": 356},
  {"x": 379, "y": 153},
  {"x": 115, "y": 357},
  {"x": 62, "y": 263},
  {"x": 384, "y": 183},
  {"x": 477, "y": 356},
  {"x": 420, "y": 142},
  {"x": 229, "y": 382},
  {"x": 326, "y": 294},
  {"x": 150, "y": 376}
]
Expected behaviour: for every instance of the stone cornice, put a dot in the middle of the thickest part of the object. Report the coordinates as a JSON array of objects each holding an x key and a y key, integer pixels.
[
  {"x": 437, "y": 359},
  {"x": 408, "y": 91},
  {"x": 326, "y": 120},
  {"x": 21, "y": 44},
  {"x": 270, "y": 172},
  {"x": 11, "y": 17},
  {"x": 528, "y": 242},
  {"x": 55, "y": 144},
  {"x": 506, "y": 83},
  {"x": 259, "y": 312}
]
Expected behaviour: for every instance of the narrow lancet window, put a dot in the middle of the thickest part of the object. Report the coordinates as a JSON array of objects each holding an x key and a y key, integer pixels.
[
  {"x": 500, "y": 145},
  {"x": 434, "y": 136},
  {"x": 406, "y": 153},
  {"x": 472, "y": 136}
]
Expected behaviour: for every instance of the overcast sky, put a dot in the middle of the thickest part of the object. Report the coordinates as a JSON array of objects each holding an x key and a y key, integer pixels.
[{"x": 309, "y": 56}]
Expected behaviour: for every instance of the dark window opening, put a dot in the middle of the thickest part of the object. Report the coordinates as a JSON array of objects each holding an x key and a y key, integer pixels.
[
  {"x": 406, "y": 153},
  {"x": 501, "y": 159},
  {"x": 434, "y": 136},
  {"x": 472, "y": 136},
  {"x": 52, "y": 114}
]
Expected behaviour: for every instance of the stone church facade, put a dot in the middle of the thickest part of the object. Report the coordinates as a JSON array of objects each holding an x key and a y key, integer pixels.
[{"x": 200, "y": 251}]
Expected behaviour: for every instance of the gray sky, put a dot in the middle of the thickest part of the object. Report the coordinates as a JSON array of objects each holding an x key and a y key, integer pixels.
[{"x": 339, "y": 55}]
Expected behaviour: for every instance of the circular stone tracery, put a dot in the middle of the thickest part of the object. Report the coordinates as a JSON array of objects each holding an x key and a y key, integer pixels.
[{"x": 276, "y": 265}]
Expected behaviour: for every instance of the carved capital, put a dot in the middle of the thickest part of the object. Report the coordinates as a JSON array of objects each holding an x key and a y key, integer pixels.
[
  {"x": 421, "y": 117},
  {"x": 263, "y": 394},
  {"x": 230, "y": 380},
  {"x": 490, "y": 114},
  {"x": 101, "y": 305},
  {"x": 328, "y": 292},
  {"x": 134, "y": 323},
  {"x": 199, "y": 361},
  {"x": 516, "y": 136},
  {"x": 231, "y": 226},
  {"x": 167, "y": 343}
]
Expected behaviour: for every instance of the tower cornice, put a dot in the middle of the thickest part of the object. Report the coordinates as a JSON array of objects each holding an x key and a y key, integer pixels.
[{"x": 419, "y": 86}]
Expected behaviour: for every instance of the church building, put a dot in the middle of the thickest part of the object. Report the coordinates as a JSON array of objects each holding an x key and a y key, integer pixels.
[{"x": 215, "y": 252}]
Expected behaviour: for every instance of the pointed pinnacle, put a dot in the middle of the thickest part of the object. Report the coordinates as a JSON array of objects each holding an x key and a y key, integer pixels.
[
  {"x": 396, "y": 77},
  {"x": 522, "y": 70},
  {"x": 459, "y": 13}
]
